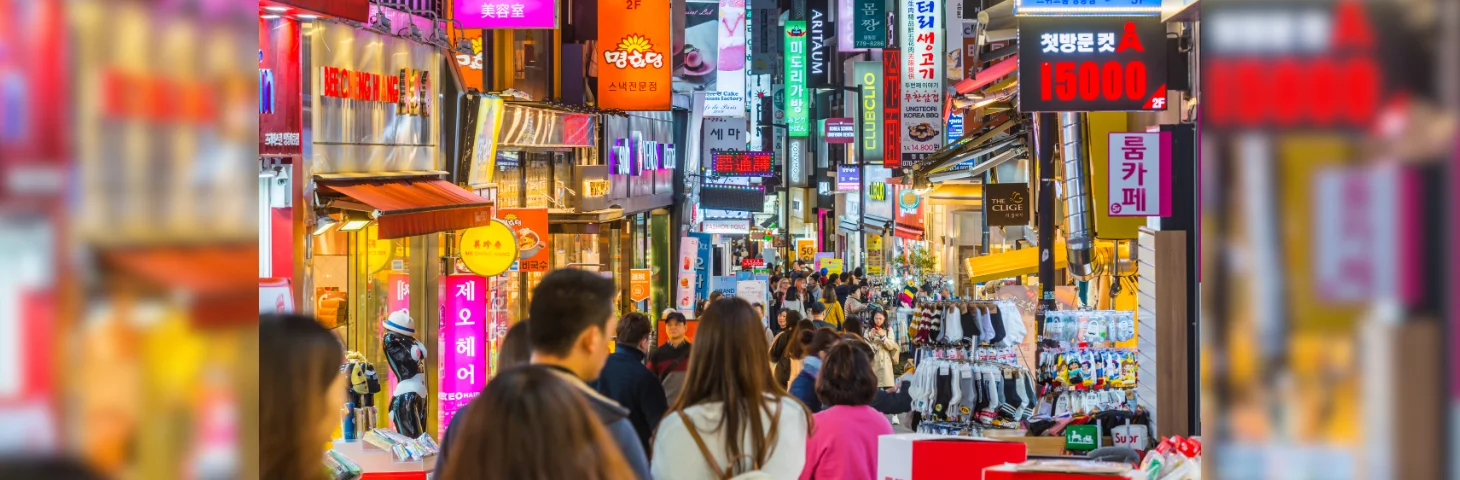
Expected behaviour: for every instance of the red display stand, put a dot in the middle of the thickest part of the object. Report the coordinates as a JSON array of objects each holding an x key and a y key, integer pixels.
[
  {"x": 921, "y": 456},
  {"x": 1007, "y": 472}
]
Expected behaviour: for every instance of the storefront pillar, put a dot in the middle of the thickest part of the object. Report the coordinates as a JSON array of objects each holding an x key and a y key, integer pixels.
[
  {"x": 659, "y": 254},
  {"x": 1045, "y": 136}
]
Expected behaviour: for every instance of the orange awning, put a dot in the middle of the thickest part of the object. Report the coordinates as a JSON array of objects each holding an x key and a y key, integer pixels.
[{"x": 415, "y": 206}]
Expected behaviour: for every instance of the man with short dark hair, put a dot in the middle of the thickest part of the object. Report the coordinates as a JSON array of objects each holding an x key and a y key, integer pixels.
[
  {"x": 818, "y": 315},
  {"x": 626, "y": 380},
  {"x": 670, "y": 362},
  {"x": 572, "y": 313}
]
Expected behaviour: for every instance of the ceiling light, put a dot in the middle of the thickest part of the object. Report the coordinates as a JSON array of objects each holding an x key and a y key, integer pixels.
[
  {"x": 277, "y": 9},
  {"x": 307, "y": 16},
  {"x": 323, "y": 222},
  {"x": 268, "y": 17}
]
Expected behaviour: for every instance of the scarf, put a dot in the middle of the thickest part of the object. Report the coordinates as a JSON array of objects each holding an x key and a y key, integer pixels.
[{"x": 811, "y": 364}]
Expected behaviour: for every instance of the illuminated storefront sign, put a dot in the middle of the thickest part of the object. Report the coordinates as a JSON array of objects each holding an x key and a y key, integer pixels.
[
  {"x": 1087, "y": 64},
  {"x": 1140, "y": 174},
  {"x": 743, "y": 164},
  {"x": 463, "y": 344},
  {"x": 922, "y": 82},
  {"x": 891, "y": 109},
  {"x": 798, "y": 116},
  {"x": 409, "y": 90},
  {"x": 868, "y": 75},
  {"x": 1087, "y": 7},
  {"x": 633, "y": 55}
]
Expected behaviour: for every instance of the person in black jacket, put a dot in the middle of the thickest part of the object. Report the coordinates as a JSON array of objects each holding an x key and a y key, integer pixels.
[
  {"x": 572, "y": 315},
  {"x": 626, "y": 380}
]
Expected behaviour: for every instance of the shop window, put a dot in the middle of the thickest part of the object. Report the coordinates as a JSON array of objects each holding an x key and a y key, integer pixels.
[
  {"x": 531, "y": 63},
  {"x": 565, "y": 194},
  {"x": 539, "y": 180}
]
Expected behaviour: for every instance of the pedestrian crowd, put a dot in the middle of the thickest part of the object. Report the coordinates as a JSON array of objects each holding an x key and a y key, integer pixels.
[{"x": 804, "y": 395}]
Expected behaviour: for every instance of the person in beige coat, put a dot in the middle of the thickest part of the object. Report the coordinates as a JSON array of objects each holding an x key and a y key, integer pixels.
[{"x": 885, "y": 348}]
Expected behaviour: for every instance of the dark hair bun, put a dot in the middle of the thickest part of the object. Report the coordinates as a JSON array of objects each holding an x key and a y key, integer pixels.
[{"x": 807, "y": 336}]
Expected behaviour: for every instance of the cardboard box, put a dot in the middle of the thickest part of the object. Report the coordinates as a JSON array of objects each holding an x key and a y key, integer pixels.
[
  {"x": 921, "y": 456},
  {"x": 1008, "y": 472}
]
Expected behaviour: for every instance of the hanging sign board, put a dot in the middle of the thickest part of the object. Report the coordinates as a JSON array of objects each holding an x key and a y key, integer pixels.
[
  {"x": 798, "y": 104},
  {"x": 922, "y": 82},
  {"x": 462, "y": 344},
  {"x": 743, "y": 164},
  {"x": 891, "y": 109},
  {"x": 874, "y": 254},
  {"x": 633, "y": 55},
  {"x": 1140, "y": 174},
  {"x": 501, "y": 14},
  {"x": 806, "y": 249},
  {"x": 1006, "y": 204},
  {"x": 639, "y": 285},
  {"x": 489, "y": 250},
  {"x": 531, "y": 227},
  {"x": 868, "y": 76},
  {"x": 840, "y": 130},
  {"x": 870, "y": 30},
  {"x": 1092, "y": 64},
  {"x": 821, "y": 30},
  {"x": 1087, "y": 7},
  {"x": 848, "y": 178}
]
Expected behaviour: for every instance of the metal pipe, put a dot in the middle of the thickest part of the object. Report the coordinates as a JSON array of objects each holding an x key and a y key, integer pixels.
[
  {"x": 998, "y": 17},
  {"x": 1079, "y": 229}
]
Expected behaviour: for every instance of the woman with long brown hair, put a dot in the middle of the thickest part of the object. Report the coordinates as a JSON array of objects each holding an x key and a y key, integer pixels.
[
  {"x": 529, "y": 423},
  {"x": 780, "y": 346},
  {"x": 731, "y": 417},
  {"x": 301, "y": 391}
]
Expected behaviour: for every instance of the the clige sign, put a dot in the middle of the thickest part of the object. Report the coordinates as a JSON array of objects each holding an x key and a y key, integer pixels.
[
  {"x": 1086, "y": 64},
  {"x": 410, "y": 90}
]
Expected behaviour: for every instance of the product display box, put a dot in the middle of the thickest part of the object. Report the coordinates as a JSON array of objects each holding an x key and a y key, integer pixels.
[
  {"x": 1010, "y": 472},
  {"x": 922, "y": 456}
]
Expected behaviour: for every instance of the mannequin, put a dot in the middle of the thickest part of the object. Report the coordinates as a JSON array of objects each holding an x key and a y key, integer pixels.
[{"x": 407, "y": 358}]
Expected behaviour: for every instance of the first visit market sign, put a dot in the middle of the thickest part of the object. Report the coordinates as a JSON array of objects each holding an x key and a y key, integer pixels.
[{"x": 1091, "y": 64}]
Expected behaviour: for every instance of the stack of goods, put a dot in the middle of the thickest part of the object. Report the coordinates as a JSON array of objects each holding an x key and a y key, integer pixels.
[
  {"x": 1175, "y": 458},
  {"x": 341, "y": 468},
  {"x": 404, "y": 448},
  {"x": 956, "y": 395}
]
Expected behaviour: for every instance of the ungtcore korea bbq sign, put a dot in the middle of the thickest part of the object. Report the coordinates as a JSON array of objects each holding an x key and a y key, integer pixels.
[{"x": 1089, "y": 64}]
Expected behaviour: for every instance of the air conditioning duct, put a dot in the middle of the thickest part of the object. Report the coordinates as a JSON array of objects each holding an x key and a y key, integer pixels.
[
  {"x": 1080, "y": 227},
  {"x": 998, "y": 17}
]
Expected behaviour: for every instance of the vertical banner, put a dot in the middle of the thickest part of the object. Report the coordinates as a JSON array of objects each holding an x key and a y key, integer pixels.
[
  {"x": 484, "y": 149},
  {"x": 797, "y": 161},
  {"x": 1140, "y": 174},
  {"x": 922, "y": 82},
  {"x": 702, "y": 263},
  {"x": 462, "y": 344},
  {"x": 845, "y": 25},
  {"x": 891, "y": 109},
  {"x": 639, "y": 289},
  {"x": 870, "y": 30},
  {"x": 822, "y": 29},
  {"x": 798, "y": 115},
  {"x": 765, "y": 36},
  {"x": 868, "y": 76},
  {"x": 730, "y": 64},
  {"x": 534, "y": 245},
  {"x": 753, "y": 291},
  {"x": 684, "y": 297},
  {"x": 633, "y": 55},
  {"x": 874, "y": 254},
  {"x": 953, "y": 38}
]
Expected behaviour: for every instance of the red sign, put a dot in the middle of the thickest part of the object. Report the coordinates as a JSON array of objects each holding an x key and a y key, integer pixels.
[
  {"x": 410, "y": 90},
  {"x": 357, "y": 10},
  {"x": 892, "y": 110},
  {"x": 634, "y": 57},
  {"x": 1077, "y": 64},
  {"x": 743, "y": 164},
  {"x": 750, "y": 263},
  {"x": 840, "y": 130},
  {"x": 534, "y": 245},
  {"x": 280, "y": 111}
]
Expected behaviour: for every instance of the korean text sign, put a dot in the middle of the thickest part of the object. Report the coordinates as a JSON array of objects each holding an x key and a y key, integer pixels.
[
  {"x": 922, "y": 83},
  {"x": 506, "y": 13},
  {"x": 462, "y": 342},
  {"x": 798, "y": 115},
  {"x": 1140, "y": 174},
  {"x": 1092, "y": 64},
  {"x": 871, "y": 29},
  {"x": 891, "y": 109},
  {"x": 633, "y": 55},
  {"x": 533, "y": 241}
]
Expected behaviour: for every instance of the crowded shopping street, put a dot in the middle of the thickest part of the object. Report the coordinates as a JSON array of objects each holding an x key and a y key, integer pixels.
[{"x": 726, "y": 239}]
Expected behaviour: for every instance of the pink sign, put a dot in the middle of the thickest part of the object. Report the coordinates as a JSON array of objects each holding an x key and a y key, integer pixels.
[
  {"x": 506, "y": 13},
  {"x": 462, "y": 344}
]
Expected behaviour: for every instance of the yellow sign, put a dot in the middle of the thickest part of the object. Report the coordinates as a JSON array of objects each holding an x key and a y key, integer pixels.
[
  {"x": 489, "y": 250},
  {"x": 639, "y": 284},
  {"x": 832, "y": 265},
  {"x": 377, "y": 252},
  {"x": 595, "y": 188},
  {"x": 874, "y": 254},
  {"x": 806, "y": 249}
]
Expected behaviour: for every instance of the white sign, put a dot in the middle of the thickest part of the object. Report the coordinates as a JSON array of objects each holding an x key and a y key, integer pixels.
[
  {"x": 753, "y": 291},
  {"x": 922, "y": 78},
  {"x": 796, "y": 161},
  {"x": 1134, "y": 437},
  {"x": 688, "y": 255},
  {"x": 721, "y": 134},
  {"x": 730, "y": 67},
  {"x": 724, "y": 104},
  {"x": 1356, "y": 233},
  {"x": 728, "y": 227},
  {"x": 1140, "y": 176}
]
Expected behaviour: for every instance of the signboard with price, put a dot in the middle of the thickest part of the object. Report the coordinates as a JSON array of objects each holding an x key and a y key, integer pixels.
[
  {"x": 922, "y": 78},
  {"x": 1092, "y": 64}
]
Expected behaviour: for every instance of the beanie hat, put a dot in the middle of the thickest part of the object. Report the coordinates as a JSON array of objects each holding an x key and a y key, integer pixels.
[{"x": 400, "y": 321}]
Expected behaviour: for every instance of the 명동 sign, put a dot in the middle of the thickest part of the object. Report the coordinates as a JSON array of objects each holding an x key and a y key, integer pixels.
[{"x": 634, "y": 60}]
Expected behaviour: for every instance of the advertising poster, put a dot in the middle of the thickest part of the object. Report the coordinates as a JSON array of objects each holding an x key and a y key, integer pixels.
[
  {"x": 502, "y": 14},
  {"x": 684, "y": 297},
  {"x": 868, "y": 76},
  {"x": 730, "y": 62},
  {"x": 922, "y": 82},
  {"x": 484, "y": 149},
  {"x": 806, "y": 250},
  {"x": 798, "y": 114},
  {"x": 639, "y": 284},
  {"x": 634, "y": 60},
  {"x": 874, "y": 254},
  {"x": 1091, "y": 64},
  {"x": 725, "y": 284},
  {"x": 533, "y": 242},
  {"x": 753, "y": 291},
  {"x": 462, "y": 344},
  {"x": 696, "y": 63}
]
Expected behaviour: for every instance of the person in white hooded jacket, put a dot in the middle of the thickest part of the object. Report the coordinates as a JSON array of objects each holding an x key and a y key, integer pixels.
[{"x": 731, "y": 419}]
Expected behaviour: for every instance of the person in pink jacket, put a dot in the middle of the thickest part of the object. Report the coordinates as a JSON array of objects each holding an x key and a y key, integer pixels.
[{"x": 843, "y": 444}]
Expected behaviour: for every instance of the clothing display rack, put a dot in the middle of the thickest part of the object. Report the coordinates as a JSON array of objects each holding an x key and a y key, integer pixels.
[
  {"x": 979, "y": 322},
  {"x": 1080, "y": 370},
  {"x": 960, "y": 394}
]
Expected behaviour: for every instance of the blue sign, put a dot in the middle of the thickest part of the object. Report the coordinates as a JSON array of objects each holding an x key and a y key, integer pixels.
[
  {"x": 702, "y": 266},
  {"x": 848, "y": 178},
  {"x": 1057, "y": 8},
  {"x": 723, "y": 284},
  {"x": 955, "y": 127}
]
